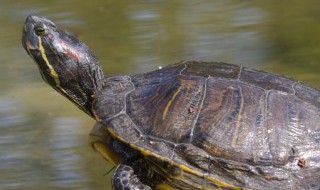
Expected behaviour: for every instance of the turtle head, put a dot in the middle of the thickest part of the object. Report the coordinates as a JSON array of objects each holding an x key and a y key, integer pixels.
[{"x": 65, "y": 63}]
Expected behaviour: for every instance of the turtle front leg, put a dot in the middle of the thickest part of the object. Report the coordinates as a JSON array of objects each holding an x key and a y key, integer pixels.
[
  {"x": 102, "y": 142},
  {"x": 133, "y": 171},
  {"x": 124, "y": 178}
]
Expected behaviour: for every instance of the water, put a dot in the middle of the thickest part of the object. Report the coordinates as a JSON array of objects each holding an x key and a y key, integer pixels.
[{"x": 43, "y": 137}]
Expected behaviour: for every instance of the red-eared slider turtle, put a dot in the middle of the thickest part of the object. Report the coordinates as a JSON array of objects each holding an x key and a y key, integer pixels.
[{"x": 192, "y": 125}]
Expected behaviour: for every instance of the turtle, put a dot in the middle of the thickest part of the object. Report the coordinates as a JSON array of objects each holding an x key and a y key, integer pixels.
[{"x": 190, "y": 125}]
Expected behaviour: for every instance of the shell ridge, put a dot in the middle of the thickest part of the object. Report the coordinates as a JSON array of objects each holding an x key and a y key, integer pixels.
[
  {"x": 126, "y": 95},
  {"x": 199, "y": 110},
  {"x": 240, "y": 72},
  {"x": 185, "y": 67},
  {"x": 267, "y": 125}
]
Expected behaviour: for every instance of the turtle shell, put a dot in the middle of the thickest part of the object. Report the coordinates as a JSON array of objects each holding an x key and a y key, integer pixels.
[{"x": 215, "y": 125}]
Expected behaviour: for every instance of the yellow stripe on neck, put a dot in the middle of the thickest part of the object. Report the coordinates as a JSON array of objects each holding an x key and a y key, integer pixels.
[{"x": 52, "y": 72}]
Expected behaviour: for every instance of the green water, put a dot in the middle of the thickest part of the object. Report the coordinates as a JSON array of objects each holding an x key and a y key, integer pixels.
[{"x": 43, "y": 137}]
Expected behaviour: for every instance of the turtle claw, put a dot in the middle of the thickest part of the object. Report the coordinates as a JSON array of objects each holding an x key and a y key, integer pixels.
[{"x": 125, "y": 179}]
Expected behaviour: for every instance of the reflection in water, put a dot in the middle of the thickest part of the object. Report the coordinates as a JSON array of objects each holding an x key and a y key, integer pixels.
[
  {"x": 45, "y": 157},
  {"x": 62, "y": 146},
  {"x": 43, "y": 137}
]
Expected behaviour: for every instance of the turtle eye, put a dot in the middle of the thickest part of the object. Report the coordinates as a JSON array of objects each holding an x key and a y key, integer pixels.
[{"x": 39, "y": 30}]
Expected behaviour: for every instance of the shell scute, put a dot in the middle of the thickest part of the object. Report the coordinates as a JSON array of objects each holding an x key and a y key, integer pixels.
[
  {"x": 163, "y": 110},
  {"x": 215, "y": 69},
  {"x": 267, "y": 81}
]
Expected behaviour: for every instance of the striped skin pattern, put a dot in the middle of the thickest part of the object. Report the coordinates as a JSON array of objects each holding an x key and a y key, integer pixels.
[{"x": 207, "y": 125}]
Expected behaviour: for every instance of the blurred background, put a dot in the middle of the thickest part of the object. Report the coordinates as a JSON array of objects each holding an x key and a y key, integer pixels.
[{"x": 43, "y": 137}]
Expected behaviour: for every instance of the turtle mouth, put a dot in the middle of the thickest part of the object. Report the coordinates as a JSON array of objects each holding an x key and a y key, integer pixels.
[{"x": 29, "y": 38}]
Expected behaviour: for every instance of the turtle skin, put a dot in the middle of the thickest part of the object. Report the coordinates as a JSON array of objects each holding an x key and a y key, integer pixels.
[{"x": 209, "y": 125}]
